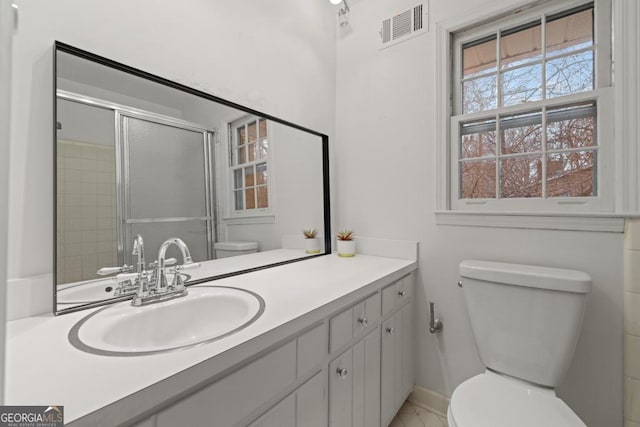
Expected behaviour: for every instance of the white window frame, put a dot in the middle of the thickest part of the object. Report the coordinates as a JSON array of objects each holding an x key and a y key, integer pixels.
[
  {"x": 257, "y": 215},
  {"x": 557, "y": 213}
]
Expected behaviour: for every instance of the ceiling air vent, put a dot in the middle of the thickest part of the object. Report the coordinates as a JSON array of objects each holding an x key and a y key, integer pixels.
[{"x": 403, "y": 26}]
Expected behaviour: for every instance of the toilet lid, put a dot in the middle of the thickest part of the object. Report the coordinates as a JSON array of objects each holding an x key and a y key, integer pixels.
[{"x": 491, "y": 400}]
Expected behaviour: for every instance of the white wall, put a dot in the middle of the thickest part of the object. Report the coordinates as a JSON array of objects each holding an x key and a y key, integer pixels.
[
  {"x": 276, "y": 56},
  {"x": 6, "y": 33},
  {"x": 385, "y": 187}
]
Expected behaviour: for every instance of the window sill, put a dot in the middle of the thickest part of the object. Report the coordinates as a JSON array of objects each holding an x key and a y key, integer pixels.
[
  {"x": 257, "y": 219},
  {"x": 607, "y": 222}
]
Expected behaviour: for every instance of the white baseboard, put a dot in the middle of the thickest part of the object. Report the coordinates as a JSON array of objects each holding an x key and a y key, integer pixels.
[
  {"x": 428, "y": 399},
  {"x": 29, "y": 296}
]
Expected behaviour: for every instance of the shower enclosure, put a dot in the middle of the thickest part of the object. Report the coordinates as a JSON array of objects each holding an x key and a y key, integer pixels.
[{"x": 127, "y": 171}]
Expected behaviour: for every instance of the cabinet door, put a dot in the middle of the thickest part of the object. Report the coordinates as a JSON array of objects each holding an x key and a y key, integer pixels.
[
  {"x": 388, "y": 371},
  {"x": 340, "y": 390},
  {"x": 366, "y": 381},
  {"x": 311, "y": 403},
  {"x": 354, "y": 384},
  {"x": 281, "y": 415},
  {"x": 404, "y": 354}
]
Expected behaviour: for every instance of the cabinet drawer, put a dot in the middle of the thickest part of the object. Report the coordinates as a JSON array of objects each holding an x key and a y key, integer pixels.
[
  {"x": 232, "y": 398},
  {"x": 397, "y": 294},
  {"x": 389, "y": 299},
  {"x": 340, "y": 329},
  {"x": 353, "y": 322},
  {"x": 312, "y": 349},
  {"x": 366, "y": 313},
  {"x": 404, "y": 290}
]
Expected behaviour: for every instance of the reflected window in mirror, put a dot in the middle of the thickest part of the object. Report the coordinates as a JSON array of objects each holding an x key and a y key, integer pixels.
[{"x": 250, "y": 167}]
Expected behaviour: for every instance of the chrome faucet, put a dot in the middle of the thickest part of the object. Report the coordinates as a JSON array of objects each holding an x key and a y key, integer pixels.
[
  {"x": 161, "y": 280},
  {"x": 138, "y": 249},
  {"x": 152, "y": 285}
]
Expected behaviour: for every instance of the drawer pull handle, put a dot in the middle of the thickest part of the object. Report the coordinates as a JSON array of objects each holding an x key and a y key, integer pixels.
[
  {"x": 390, "y": 330},
  {"x": 402, "y": 293},
  {"x": 363, "y": 321},
  {"x": 342, "y": 372}
]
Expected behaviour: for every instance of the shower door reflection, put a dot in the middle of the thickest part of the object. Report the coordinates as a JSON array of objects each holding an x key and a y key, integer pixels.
[{"x": 166, "y": 191}]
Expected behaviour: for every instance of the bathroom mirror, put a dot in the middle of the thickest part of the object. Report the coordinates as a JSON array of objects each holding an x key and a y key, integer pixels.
[{"x": 140, "y": 155}]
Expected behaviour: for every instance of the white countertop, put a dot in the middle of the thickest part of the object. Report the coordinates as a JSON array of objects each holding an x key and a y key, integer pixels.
[{"x": 42, "y": 368}]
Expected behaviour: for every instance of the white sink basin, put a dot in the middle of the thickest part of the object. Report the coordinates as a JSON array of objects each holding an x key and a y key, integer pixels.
[{"x": 207, "y": 314}]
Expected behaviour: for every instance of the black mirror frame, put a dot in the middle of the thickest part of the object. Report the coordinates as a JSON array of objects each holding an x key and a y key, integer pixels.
[{"x": 63, "y": 47}]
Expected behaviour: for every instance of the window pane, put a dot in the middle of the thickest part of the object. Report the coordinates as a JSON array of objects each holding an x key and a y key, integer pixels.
[
  {"x": 237, "y": 178},
  {"x": 249, "y": 180},
  {"x": 263, "y": 128},
  {"x": 479, "y": 94},
  {"x": 241, "y": 136},
  {"x": 239, "y": 202},
  {"x": 263, "y": 199},
  {"x": 263, "y": 148},
  {"x": 569, "y": 32},
  {"x": 261, "y": 173},
  {"x": 241, "y": 155},
  {"x": 522, "y": 85},
  {"x": 478, "y": 179},
  {"x": 521, "y": 177},
  {"x": 521, "y": 133},
  {"x": 571, "y": 174},
  {"x": 571, "y": 127},
  {"x": 249, "y": 198},
  {"x": 478, "y": 139},
  {"x": 479, "y": 58},
  {"x": 521, "y": 46},
  {"x": 570, "y": 74},
  {"x": 252, "y": 132},
  {"x": 251, "y": 149}
]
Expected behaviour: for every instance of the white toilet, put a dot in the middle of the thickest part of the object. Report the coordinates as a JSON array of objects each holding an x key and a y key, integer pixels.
[
  {"x": 526, "y": 321},
  {"x": 229, "y": 249}
]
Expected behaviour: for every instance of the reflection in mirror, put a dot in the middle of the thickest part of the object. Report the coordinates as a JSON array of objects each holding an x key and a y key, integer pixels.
[{"x": 137, "y": 155}]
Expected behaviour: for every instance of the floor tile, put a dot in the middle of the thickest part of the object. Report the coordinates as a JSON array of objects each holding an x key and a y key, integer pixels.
[{"x": 411, "y": 415}]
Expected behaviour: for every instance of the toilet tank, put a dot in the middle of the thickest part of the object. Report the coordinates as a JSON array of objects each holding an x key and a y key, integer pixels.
[
  {"x": 229, "y": 249},
  {"x": 525, "y": 319}
]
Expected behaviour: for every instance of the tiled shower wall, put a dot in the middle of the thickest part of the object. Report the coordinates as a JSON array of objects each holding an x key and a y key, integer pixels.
[
  {"x": 632, "y": 323},
  {"x": 86, "y": 210}
]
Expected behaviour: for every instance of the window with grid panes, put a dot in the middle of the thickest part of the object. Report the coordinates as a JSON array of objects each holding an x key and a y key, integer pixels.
[
  {"x": 250, "y": 165},
  {"x": 529, "y": 95}
]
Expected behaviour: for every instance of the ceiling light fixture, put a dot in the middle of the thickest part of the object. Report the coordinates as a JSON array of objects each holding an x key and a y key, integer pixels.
[{"x": 343, "y": 12}]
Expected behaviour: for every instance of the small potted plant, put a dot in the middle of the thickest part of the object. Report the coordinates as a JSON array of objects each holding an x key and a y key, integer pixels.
[
  {"x": 346, "y": 243},
  {"x": 311, "y": 241}
]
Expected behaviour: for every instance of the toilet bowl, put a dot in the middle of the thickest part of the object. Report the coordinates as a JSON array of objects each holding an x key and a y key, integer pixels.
[
  {"x": 525, "y": 321},
  {"x": 493, "y": 400}
]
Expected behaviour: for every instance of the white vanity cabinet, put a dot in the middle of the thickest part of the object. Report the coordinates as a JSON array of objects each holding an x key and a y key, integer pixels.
[
  {"x": 286, "y": 384},
  {"x": 304, "y": 407},
  {"x": 369, "y": 381},
  {"x": 396, "y": 350},
  {"x": 352, "y": 369}
]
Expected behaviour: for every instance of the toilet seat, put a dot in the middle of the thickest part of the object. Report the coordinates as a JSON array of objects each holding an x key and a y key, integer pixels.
[{"x": 493, "y": 400}]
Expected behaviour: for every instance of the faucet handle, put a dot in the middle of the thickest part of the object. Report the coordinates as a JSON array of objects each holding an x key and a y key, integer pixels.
[
  {"x": 105, "y": 271},
  {"x": 178, "y": 281},
  {"x": 167, "y": 262},
  {"x": 187, "y": 266},
  {"x": 127, "y": 276}
]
